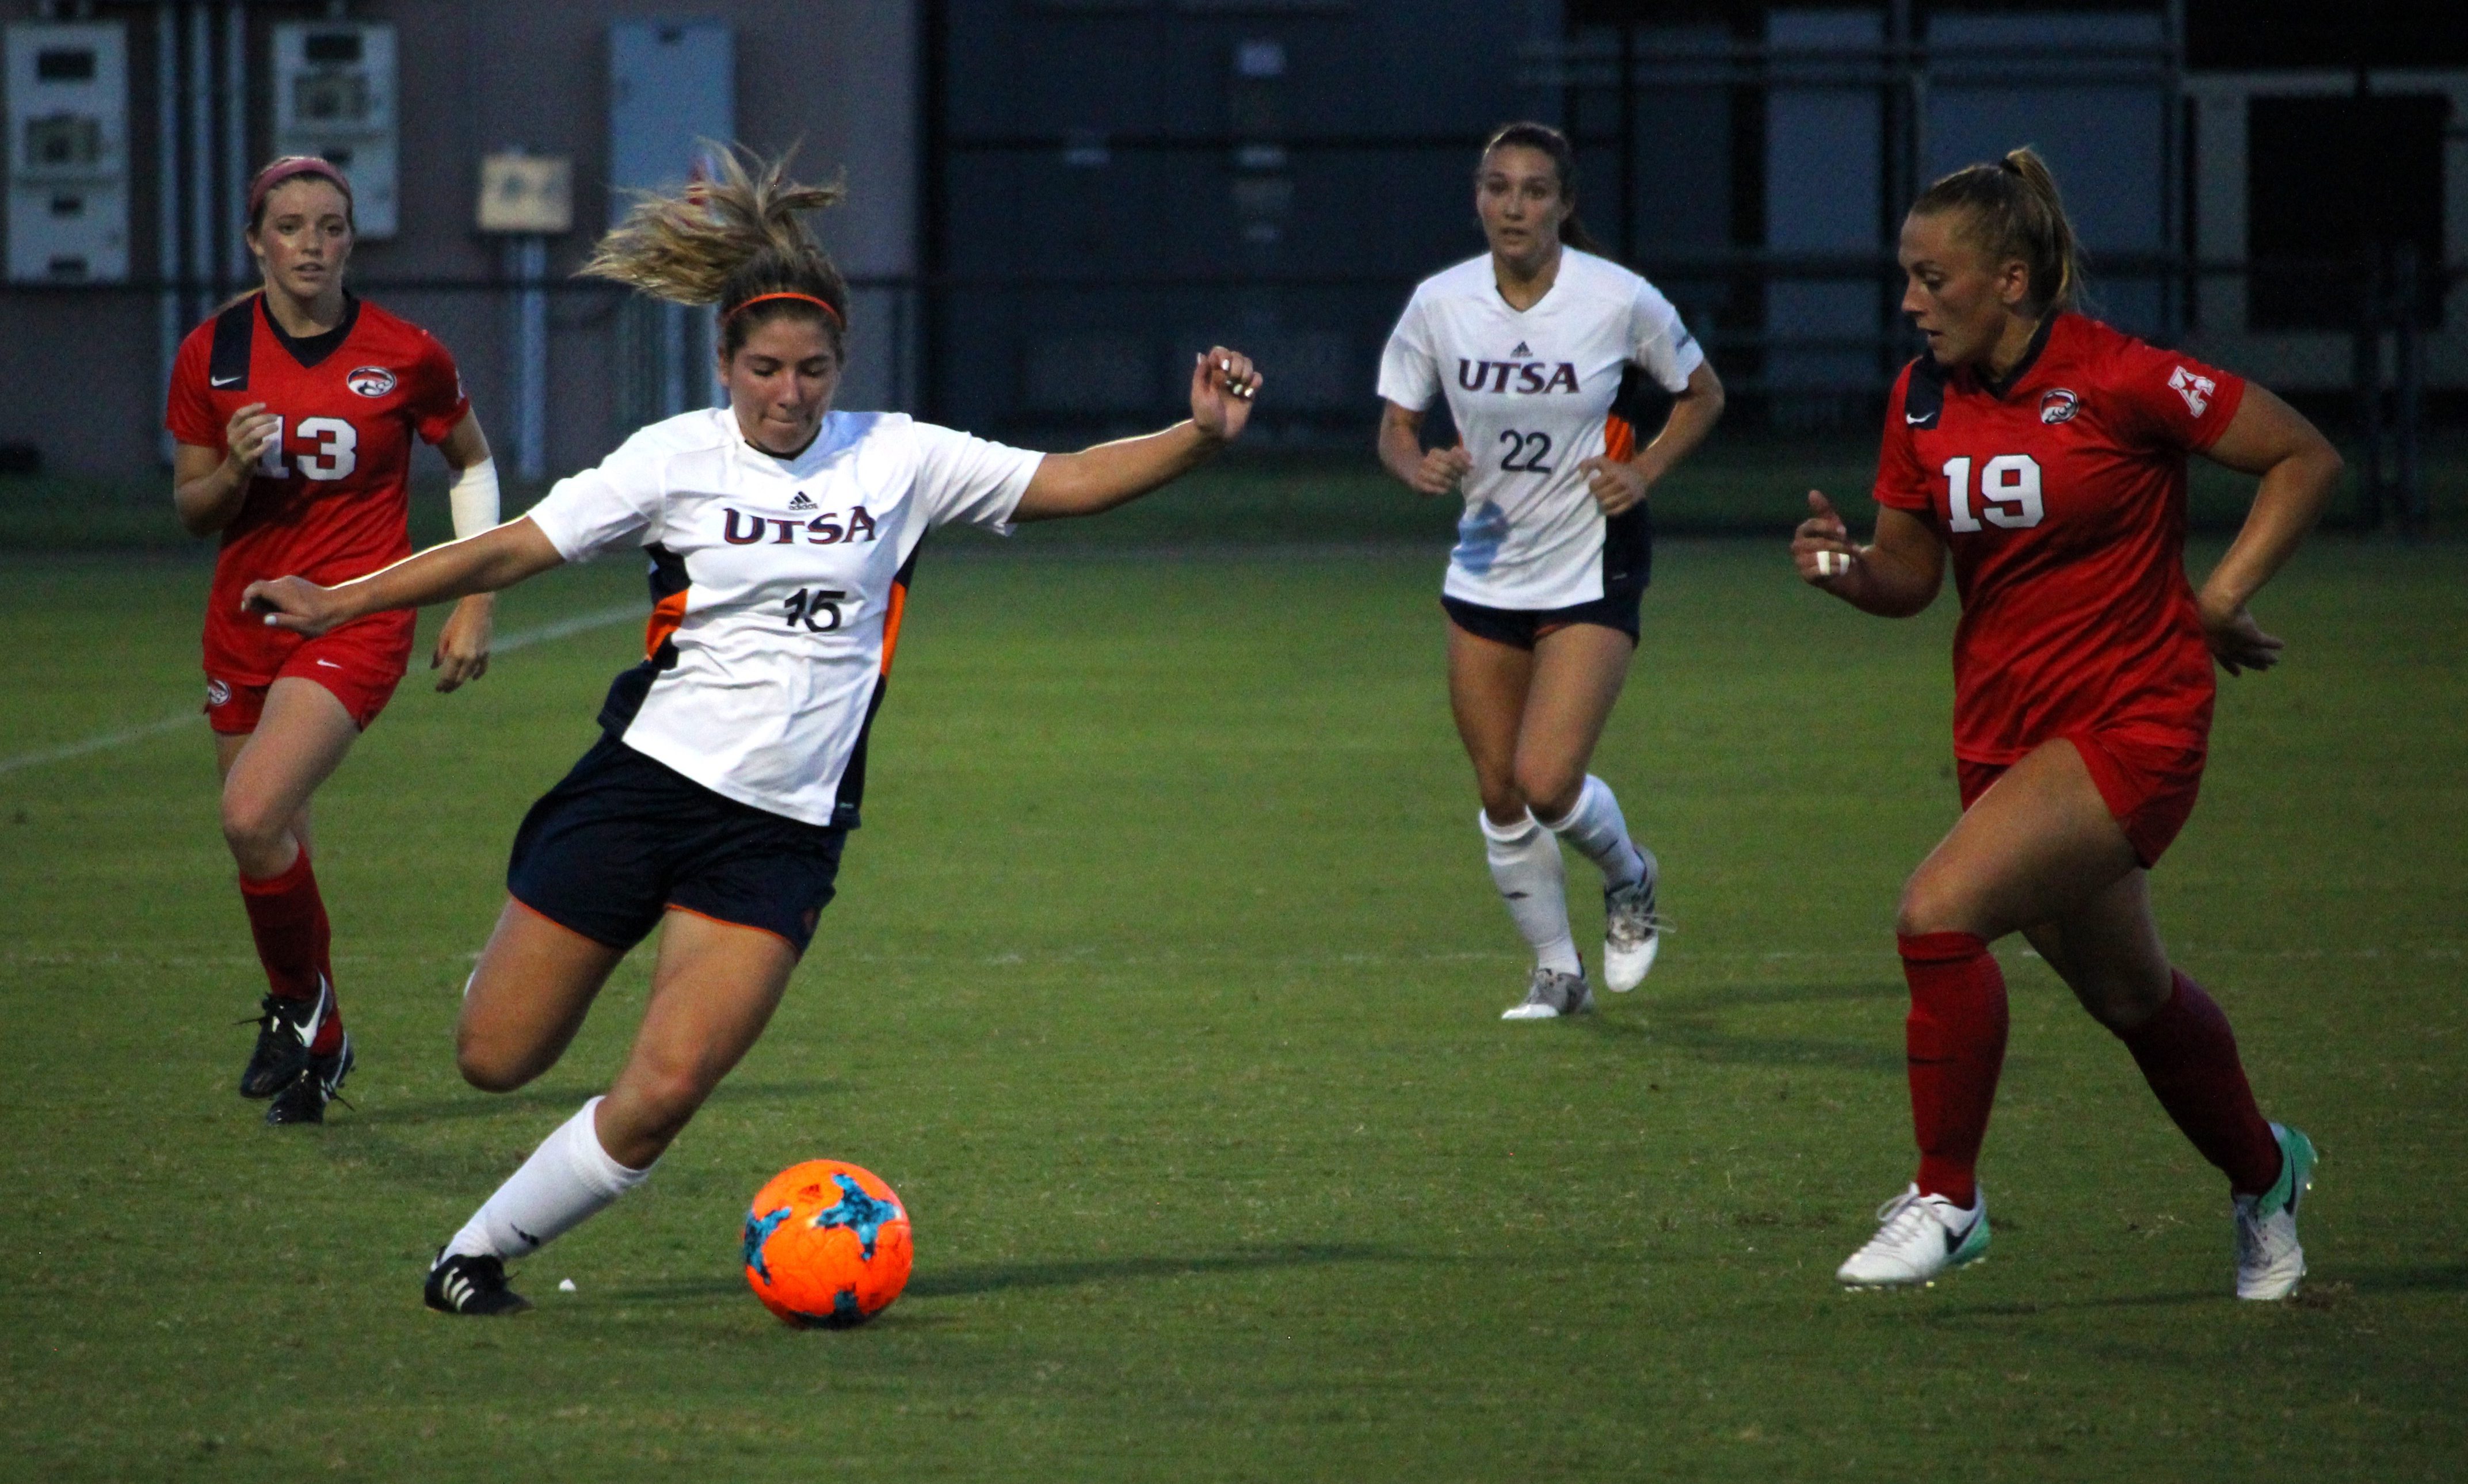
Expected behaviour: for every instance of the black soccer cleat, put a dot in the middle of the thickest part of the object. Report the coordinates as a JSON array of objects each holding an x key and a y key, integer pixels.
[
  {"x": 285, "y": 1030},
  {"x": 304, "y": 1099},
  {"x": 474, "y": 1285}
]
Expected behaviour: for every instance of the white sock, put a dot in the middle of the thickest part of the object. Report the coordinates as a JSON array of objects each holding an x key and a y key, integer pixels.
[
  {"x": 568, "y": 1179},
  {"x": 1596, "y": 829},
  {"x": 1525, "y": 866}
]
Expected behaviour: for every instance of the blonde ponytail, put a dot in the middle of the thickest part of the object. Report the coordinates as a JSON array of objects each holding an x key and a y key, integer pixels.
[
  {"x": 728, "y": 242},
  {"x": 2015, "y": 212}
]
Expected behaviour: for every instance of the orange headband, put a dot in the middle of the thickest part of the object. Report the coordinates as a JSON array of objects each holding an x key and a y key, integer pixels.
[{"x": 783, "y": 294}]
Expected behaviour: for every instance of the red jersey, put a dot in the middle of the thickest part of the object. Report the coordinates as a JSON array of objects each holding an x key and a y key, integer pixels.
[
  {"x": 2061, "y": 494},
  {"x": 329, "y": 500}
]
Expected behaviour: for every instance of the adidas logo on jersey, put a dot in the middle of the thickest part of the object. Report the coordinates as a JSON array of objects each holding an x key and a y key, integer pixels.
[
  {"x": 744, "y": 528},
  {"x": 1528, "y": 377},
  {"x": 799, "y": 501},
  {"x": 1521, "y": 353}
]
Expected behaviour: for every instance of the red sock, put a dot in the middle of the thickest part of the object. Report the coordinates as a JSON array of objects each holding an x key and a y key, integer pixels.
[
  {"x": 288, "y": 918},
  {"x": 1955, "y": 1042},
  {"x": 2189, "y": 1057}
]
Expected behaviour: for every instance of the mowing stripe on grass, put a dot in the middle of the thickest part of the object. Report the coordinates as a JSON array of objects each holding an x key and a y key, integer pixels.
[{"x": 103, "y": 741}]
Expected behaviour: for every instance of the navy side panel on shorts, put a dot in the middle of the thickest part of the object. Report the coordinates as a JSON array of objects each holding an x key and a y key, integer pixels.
[
  {"x": 622, "y": 838},
  {"x": 1627, "y": 538}
]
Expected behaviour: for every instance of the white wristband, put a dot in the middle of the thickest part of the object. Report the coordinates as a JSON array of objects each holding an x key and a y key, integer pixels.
[{"x": 473, "y": 499}]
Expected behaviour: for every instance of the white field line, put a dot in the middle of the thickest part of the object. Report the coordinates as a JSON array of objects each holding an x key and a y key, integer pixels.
[{"x": 103, "y": 742}]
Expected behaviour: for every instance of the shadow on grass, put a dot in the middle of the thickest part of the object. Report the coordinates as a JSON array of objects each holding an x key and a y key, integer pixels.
[
  {"x": 1696, "y": 1024},
  {"x": 564, "y": 1099},
  {"x": 2440, "y": 1278},
  {"x": 973, "y": 1278}
]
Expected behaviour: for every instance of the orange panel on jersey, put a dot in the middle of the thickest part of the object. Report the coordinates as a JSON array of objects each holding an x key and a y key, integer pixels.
[
  {"x": 666, "y": 615},
  {"x": 1619, "y": 439},
  {"x": 891, "y": 623}
]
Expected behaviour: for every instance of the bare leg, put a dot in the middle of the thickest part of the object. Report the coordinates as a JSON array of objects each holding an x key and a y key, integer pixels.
[
  {"x": 534, "y": 982},
  {"x": 712, "y": 994},
  {"x": 1578, "y": 674},
  {"x": 1487, "y": 686},
  {"x": 268, "y": 775}
]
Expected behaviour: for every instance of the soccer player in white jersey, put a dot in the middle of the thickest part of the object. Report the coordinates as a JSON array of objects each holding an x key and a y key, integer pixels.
[
  {"x": 781, "y": 535},
  {"x": 1538, "y": 345}
]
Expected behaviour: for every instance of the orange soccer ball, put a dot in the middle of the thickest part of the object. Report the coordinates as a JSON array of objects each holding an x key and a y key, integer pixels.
[{"x": 827, "y": 1243}]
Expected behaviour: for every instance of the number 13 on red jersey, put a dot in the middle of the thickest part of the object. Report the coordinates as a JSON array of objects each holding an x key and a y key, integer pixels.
[
  {"x": 2009, "y": 492},
  {"x": 335, "y": 456}
]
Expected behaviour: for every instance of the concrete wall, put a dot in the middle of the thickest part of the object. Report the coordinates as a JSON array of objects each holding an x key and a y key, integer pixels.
[{"x": 79, "y": 368}]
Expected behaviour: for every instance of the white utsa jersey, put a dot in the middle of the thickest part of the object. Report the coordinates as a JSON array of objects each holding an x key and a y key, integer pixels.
[
  {"x": 777, "y": 586},
  {"x": 1532, "y": 393}
]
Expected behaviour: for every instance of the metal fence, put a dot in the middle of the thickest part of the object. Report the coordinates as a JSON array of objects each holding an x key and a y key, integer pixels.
[{"x": 562, "y": 371}]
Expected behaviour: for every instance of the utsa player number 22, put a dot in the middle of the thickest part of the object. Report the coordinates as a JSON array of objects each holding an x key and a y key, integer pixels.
[{"x": 1540, "y": 346}]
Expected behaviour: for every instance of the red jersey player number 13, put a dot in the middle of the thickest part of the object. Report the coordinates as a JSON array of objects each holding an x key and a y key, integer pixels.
[{"x": 293, "y": 410}]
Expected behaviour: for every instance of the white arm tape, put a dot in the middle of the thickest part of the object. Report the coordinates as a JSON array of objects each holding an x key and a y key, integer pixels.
[{"x": 474, "y": 498}]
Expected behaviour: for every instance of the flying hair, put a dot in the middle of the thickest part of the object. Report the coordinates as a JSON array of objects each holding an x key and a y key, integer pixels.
[
  {"x": 2011, "y": 210},
  {"x": 734, "y": 242}
]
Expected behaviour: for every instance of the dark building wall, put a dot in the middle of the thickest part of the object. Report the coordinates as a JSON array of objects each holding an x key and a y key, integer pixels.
[
  {"x": 79, "y": 373},
  {"x": 1097, "y": 196}
]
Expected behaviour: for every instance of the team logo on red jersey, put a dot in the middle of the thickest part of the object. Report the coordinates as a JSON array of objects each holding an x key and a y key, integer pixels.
[
  {"x": 2196, "y": 390},
  {"x": 2059, "y": 406},
  {"x": 370, "y": 381}
]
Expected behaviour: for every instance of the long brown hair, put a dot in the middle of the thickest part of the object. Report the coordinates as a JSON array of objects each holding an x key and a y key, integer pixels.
[
  {"x": 1551, "y": 142},
  {"x": 735, "y": 242},
  {"x": 2011, "y": 210}
]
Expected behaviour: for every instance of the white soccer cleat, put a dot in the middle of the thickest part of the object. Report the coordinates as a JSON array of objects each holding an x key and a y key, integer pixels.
[
  {"x": 1549, "y": 995},
  {"x": 1919, "y": 1237},
  {"x": 2269, "y": 1261},
  {"x": 1632, "y": 931}
]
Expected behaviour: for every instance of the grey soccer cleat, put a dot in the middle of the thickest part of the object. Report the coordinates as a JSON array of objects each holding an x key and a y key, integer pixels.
[
  {"x": 1550, "y": 994},
  {"x": 1632, "y": 929}
]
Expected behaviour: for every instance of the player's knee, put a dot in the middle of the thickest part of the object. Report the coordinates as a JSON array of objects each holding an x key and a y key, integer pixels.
[
  {"x": 252, "y": 826},
  {"x": 1931, "y": 904},
  {"x": 489, "y": 1067},
  {"x": 1551, "y": 792},
  {"x": 665, "y": 1098}
]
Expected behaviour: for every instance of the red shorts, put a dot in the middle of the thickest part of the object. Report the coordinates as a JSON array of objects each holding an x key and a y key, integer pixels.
[
  {"x": 360, "y": 663},
  {"x": 2148, "y": 779}
]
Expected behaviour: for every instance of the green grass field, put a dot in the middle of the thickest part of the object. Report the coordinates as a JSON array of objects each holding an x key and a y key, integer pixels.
[{"x": 1163, "y": 984}]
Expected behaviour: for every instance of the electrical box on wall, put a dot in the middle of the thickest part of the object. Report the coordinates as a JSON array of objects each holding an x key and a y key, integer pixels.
[
  {"x": 335, "y": 97},
  {"x": 68, "y": 152}
]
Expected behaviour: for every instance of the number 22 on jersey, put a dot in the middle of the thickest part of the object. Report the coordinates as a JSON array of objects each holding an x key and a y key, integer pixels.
[
  {"x": 335, "y": 455},
  {"x": 2009, "y": 494}
]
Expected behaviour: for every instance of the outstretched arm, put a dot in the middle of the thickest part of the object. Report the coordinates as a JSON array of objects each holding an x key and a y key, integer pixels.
[
  {"x": 1095, "y": 480},
  {"x": 1894, "y": 577},
  {"x": 484, "y": 564},
  {"x": 2298, "y": 468},
  {"x": 461, "y": 651}
]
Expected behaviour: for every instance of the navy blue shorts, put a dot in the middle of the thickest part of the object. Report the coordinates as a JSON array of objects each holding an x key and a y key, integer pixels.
[
  {"x": 1520, "y": 628},
  {"x": 622, "y": 839}
]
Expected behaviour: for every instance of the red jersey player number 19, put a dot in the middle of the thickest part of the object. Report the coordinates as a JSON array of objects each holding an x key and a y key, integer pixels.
[
  {"x": 2060, "y": 494},
  {"x": 2044, "y": 455}
]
